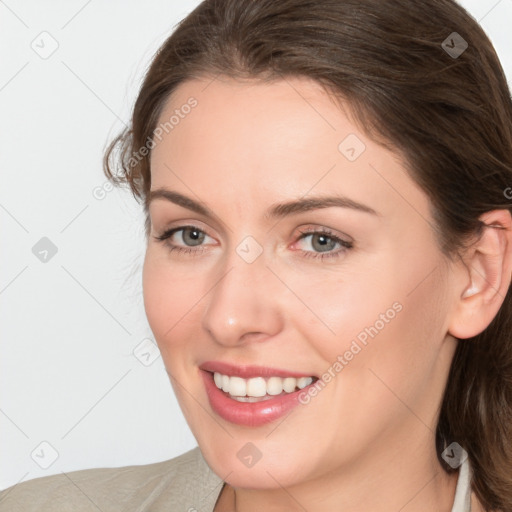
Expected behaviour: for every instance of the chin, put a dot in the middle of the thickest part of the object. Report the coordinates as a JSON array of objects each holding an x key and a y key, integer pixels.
[{"x": 267, "y": 473}]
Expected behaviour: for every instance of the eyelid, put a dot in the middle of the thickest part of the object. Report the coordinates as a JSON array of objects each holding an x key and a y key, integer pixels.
[
  {"x": 183, "y": 224},
  {"x": 343, "y": 245},
  {"x": 162, "y": 209},
  {"x": 319, "y": 228},
  {"x": 303, "y": 232},
  {"x": 171, "y": 230}
]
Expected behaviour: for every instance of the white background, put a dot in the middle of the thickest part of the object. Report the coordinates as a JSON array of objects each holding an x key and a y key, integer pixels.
[{"x": 68, "y": 374}]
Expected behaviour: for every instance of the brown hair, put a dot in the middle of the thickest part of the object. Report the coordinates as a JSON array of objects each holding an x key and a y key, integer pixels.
[{"x": 448, "y": 115}]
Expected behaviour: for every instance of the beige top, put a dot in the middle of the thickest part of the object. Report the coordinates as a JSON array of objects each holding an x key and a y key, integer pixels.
[{"x": 182, "y": 484}]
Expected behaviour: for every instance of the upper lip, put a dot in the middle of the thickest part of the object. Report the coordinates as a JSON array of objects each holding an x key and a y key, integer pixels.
[{"x": 248, "y": 371}]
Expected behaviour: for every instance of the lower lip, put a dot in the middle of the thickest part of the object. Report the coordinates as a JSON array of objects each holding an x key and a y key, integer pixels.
[{"x": 250, "y": 414}]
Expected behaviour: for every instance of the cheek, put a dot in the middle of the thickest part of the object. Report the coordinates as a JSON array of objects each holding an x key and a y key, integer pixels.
[
  {"x": 385, "y": 320},
  {"x": 172, "y": 299},
  {"x": 383, "y": 355},
  {"x": 343, "y": 307},
  {"x": 400, "y": 336}
]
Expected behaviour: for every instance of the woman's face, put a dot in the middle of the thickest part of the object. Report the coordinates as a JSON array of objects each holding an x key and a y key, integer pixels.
[{"x": 313, "y": 254}]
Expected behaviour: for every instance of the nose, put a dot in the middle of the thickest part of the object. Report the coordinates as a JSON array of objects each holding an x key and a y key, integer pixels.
[{"x": 244, "y": 303}]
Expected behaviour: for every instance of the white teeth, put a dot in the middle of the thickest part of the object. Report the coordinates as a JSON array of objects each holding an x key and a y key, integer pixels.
[
  {"x": 302, "y": 382},
  {"x": 289, "y": 384},
  {"x": 255, "y": 387},
  {"x": 237, "y": 386},
  {"x": 225, "y": 383},
  {"x": 274, "y": 386},
  {"x": 251, "y": 398},
  {"x": 258, "y": 387}
]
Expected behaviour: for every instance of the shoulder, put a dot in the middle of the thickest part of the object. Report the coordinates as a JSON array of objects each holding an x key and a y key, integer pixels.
[{"x": 185, "y": 481}]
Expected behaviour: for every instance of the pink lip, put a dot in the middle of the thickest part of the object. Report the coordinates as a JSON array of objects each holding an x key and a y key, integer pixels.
[
  {"x": 250, "y": 414},
  {"x": 247, "y": 371}
]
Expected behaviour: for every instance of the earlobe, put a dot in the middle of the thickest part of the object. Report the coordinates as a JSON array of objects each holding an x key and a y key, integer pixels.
[{"x": 487, "y": 276}]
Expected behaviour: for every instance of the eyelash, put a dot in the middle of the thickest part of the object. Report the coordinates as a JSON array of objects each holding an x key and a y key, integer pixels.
[{"x": 346, "y": 245}]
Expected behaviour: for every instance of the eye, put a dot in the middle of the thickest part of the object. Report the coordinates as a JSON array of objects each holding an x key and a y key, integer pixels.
[
  {"x": 323, "y": 242},
  {"x": 191, "y": 237}
]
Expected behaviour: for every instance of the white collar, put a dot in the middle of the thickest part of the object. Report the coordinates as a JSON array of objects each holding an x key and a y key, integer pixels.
[{"x": 462, "y": 501}]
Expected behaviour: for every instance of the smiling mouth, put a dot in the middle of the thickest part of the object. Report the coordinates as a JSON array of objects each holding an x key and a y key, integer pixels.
[
  {"x": 252, "y": 396},
  {"x": 257, "y": 389}
]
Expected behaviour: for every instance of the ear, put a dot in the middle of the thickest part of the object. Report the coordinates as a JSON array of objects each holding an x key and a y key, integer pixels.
[{"x": 484, "y": 284}]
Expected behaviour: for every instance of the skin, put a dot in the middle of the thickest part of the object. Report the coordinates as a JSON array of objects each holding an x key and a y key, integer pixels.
[{"x": 366, "y": 441}]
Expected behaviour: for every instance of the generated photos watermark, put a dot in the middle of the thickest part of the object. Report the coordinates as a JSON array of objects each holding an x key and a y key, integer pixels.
[
  {"x": 356, "y": 346},
  {"x": 166, "y": 127}
]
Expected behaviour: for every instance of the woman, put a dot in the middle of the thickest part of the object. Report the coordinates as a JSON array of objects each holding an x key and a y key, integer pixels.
[{"x": 328, "y": 262}]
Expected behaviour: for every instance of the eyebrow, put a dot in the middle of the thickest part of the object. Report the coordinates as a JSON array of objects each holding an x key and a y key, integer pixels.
[{"x": 276, "y": 211}]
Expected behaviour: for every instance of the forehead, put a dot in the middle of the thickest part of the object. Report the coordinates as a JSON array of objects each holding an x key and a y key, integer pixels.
[
  {"x": 278, "y": 140},
  {"x": 249, "y": 120}
]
